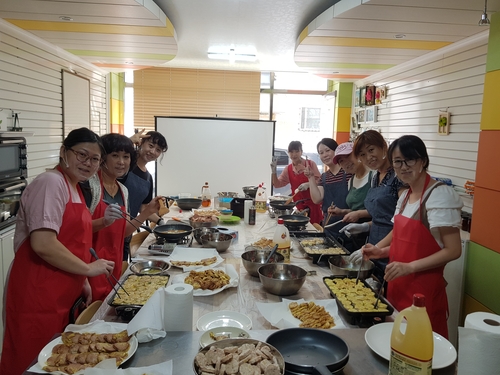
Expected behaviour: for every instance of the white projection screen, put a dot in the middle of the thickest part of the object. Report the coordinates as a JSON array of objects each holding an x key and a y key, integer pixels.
[{"x": 226, "y": 153}]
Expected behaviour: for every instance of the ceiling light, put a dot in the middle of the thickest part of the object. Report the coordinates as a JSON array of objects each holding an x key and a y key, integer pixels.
[
  {"x": 484, "y": 21},
  {"x": 232, "y": 56},
  {"x": 66, "y": 18}
]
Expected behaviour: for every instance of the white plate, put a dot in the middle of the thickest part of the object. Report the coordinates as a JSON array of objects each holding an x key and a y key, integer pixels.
[
  {"x": 228, "y": 269},
  {"x": 189, "y": 254},
  {"x": 224, "y": 318},
  {"x": 47, "y": 352},
  {"x": 232, "y": 332},
  {"x": 378, "y": 338}
]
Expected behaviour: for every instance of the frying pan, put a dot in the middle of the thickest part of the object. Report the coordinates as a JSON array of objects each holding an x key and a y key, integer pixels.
[
  {"x": 310, "y": 351},
  {"x": 282, "y": 205},
  {"x": 294, "y": 220},
  {"x": 163, "y": 231}
]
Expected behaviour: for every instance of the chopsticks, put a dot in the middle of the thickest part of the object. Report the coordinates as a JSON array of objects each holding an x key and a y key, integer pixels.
[
  {"x": 124, "y": 215},
  {"x": 379, "y": 294},
  {"x": 94, "y": 254},
  {"x": 331, "y": 225},
  {"x": 329, "y": 217},
  {"x": 361, "y": 263}
]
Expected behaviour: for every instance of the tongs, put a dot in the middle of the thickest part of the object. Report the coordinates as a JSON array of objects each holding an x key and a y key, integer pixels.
[
  {"x": 379, "y": 294},
  {"x": 331, "y": 225},
  {"x": 124, "y": 215},
  {"x": 94, "y": 254}
]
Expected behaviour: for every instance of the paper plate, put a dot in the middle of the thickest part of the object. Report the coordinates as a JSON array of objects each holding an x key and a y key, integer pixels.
[
  {"x": 224, "y": 318},
  {"x": 229, "y": 219},
  {"x": 229, "y": 332},
  {"x": 378, "y": 338}
]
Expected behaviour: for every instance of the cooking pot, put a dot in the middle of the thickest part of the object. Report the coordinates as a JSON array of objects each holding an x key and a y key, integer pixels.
[
  {"x": 171, "y": 232},
  {"x": 294, "y": 220},
  {"x": 310, "y": 351}
]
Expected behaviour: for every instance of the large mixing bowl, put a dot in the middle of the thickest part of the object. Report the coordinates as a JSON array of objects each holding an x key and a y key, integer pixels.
[
  {"x": 282, "y": 279},
  {"x": 340, "y": 266},
  {"x": 188, "y": 203},
  {"x": 198, "y": 232},
  {"x": 251, "y": 191},
  {"x": 217, "y": 240},
  {"x": 254, "y": 258}
]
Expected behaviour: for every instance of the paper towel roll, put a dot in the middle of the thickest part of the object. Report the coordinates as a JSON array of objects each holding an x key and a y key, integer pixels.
[
  {"x": 178, "y": 309},
  {"x": 483, "y": 321}
]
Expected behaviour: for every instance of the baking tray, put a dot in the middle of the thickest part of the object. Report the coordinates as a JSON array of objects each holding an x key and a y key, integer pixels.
[
  {"x": 318, "y": 258},
  {"x": 111, "y": 301},
  {"x": 363, "y": 318}
]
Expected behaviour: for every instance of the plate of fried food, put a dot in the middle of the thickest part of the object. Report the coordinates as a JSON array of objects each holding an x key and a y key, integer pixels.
[
  {"x": 209, "y": 281},
  {"x": 194, "y": 258},
  {"x": 322, "y": 314},
  {"x": 84, "y": 346},
  {"x": 263, "y": 243}
]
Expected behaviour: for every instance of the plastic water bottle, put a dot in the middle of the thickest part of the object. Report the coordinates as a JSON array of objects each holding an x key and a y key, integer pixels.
[{"x": 411, "y": 351}]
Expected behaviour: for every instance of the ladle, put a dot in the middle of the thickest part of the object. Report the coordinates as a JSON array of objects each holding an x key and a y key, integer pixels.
[{"x": 271, "y": 254}]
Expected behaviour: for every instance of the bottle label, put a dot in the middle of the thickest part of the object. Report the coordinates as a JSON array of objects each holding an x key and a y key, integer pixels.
[
  {"x": 251, "y": 219},
  {"x": 285, "y": 251},
  {"x": 260, "y": 206},
  {"x": 401, "y": 364}
]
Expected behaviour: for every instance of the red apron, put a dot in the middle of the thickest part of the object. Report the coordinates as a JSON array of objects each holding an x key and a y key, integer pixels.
[
  {"x": 40, "y": 296},
  {"x": 412, "y": 240},
  {"x": 108, "y": 244},
  {"x": 315, "y": 212}
]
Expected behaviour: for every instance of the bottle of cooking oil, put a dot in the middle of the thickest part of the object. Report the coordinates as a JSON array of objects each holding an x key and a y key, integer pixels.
[
  {"x": 411, "y": 351},
  {"x": 206, "y": 196},
  {"x": 282, "y": 239},
  {"x": 261, "y": 199}
]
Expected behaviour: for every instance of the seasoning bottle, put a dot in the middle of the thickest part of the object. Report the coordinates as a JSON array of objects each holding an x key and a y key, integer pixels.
[
  {"x": 282, "y": 239},
  {"x": 411, "y": 351},
  {"x": 261, "y": 199},
  {"x": 206, "y": 196},
  {"x": 251, "y": 215},
  {"x": 246, "y": 210}
]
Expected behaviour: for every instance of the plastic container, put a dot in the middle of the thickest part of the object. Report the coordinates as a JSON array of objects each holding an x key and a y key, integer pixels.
[
  {"x": 261, "y": 199},
  {"x": 282, "y": 239},
  {"x": 246, "y": 210},
  {"x": 411, "y": 351},
  {"x": 206, "y": 196}
]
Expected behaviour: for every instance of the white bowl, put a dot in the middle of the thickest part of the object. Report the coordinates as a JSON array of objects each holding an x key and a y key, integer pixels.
[{"x": 223, "y": 318}]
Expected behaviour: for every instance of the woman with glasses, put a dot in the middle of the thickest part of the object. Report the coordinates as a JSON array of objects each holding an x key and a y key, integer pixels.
[
  {"x": 370, "y": 147},
  {"x": 52, "y": 263},
  {"x": 425, "y": 237},
  {"x": 111, "y": 230}
]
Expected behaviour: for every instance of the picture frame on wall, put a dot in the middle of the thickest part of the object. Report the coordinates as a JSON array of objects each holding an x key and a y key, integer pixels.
[
  {"x": 380, "y": 94},
  {"x": 370, "y": 95},
  {"x": 361, "y": 116},
  {"x": 371, "y": 114},
  {"x": 357, "y": 100},
  {"x": 362, "y": 95}
]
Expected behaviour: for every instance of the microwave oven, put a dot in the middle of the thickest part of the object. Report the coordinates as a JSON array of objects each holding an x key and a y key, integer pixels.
[{"x": 13, "y": 154}]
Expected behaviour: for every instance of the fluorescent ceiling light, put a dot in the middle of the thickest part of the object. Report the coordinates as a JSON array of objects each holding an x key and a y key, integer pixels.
[{"x": 231, "y": 56}]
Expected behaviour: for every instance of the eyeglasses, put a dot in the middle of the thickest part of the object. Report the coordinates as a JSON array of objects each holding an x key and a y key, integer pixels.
[
  {"x": 83, "y": 157},
  {"x": 399, "y": 163}
]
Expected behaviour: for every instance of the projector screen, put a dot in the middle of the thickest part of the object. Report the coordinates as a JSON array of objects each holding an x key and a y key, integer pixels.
[{"x": 226, "y": 153}]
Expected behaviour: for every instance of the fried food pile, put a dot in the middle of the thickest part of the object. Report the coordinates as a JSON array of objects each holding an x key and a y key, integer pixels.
[
  {"x": 311, "y": 315},
  {"x": 185, "y": 263},
  {"x": 139, "y": 289},
  {"x": 208, "y": 279},
  {"x": 264, "y": 242},
  {"x": 319, "y": 246},
  {"x": 354, "y": 297},
  {"x": 247, "y": 359},
  {"x": 79, "y": 351}
]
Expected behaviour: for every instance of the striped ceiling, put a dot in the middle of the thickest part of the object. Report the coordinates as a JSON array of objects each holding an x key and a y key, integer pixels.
[{"x": 343, "y": 40}]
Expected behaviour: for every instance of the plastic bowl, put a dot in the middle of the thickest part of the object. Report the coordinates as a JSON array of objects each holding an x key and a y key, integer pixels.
[
  {"x": 282, "y": 279},
  {"x": 253, "y": 258}
]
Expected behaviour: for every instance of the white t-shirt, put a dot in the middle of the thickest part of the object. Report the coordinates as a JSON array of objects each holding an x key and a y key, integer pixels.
[{"x": 443, "y": 209}]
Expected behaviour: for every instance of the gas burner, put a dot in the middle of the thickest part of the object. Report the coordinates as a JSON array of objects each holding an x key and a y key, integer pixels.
[{"x": 164, "y": 246}]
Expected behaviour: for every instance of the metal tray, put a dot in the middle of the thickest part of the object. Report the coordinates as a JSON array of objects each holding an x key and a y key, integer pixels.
[
  {"x": 318, "y": 257},
  {"x": 111, "y": 301},
  {"x": 361, "y": 318}
]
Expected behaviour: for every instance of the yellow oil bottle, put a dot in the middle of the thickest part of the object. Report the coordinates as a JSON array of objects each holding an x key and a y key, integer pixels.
[{"x": 412, "y": 350}]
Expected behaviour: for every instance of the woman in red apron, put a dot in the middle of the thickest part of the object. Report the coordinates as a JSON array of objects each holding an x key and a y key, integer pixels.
[
  {"x": 294, "y": 175},
  {"x": 111, "y": 232},
  {"x": 52, "y": 261},
  {"x": 425, "y": 236}
]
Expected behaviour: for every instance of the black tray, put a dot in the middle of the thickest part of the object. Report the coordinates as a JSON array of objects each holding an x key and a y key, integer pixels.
[
  {"x": 361, "y": 319},
  {"x": 319, "y": 259},
  {"x": 111, "y": 301}
]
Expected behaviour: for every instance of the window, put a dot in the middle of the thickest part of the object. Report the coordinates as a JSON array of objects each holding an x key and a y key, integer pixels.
[{"x": 310, "y": 119}]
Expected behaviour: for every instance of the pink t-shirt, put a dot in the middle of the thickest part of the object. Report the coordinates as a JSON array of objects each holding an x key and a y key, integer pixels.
[{"x": 42, "y": 205}]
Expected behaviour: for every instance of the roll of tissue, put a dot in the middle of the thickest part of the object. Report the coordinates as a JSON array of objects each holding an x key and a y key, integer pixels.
[
  {"x": 178, "y": 309},
  {"x": 479, "y": 344},
  {"x": 483, "y": 321}
]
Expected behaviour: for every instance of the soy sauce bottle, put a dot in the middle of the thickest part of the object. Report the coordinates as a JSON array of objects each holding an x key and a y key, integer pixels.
[{"x": 206, "y": 196}]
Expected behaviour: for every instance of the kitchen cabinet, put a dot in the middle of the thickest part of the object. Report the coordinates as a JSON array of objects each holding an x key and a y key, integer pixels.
[{"x": 6, "y": 257}]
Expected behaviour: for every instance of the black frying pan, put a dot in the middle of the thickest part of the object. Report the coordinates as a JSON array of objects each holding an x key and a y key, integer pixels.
[
  {"x": 171, "y": 232},
  {"x": 281, "y": 205},
  {"x": 294, "y": 220},
  {"x": 310, "y": 351}
]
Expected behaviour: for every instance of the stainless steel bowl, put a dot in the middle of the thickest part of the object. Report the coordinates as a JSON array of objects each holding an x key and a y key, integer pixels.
[
  {"x": 188, "y": 203},
  {"x": 282, "y": 279},
  {"x": 217, "y": 240},
  {"x": 340, "y": 266},
  {"x": 251, "y": 191},
  {"x": 253, "y": 258},
  {"x": 150, "y": 267},
  {"x": 198, "y": 232},
  {"x": 238, "y": 342}
]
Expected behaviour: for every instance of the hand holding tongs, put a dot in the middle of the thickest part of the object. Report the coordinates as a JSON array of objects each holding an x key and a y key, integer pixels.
[
  {"x": 124, "y": 215},
  {"x": 94, "y": 254}
]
